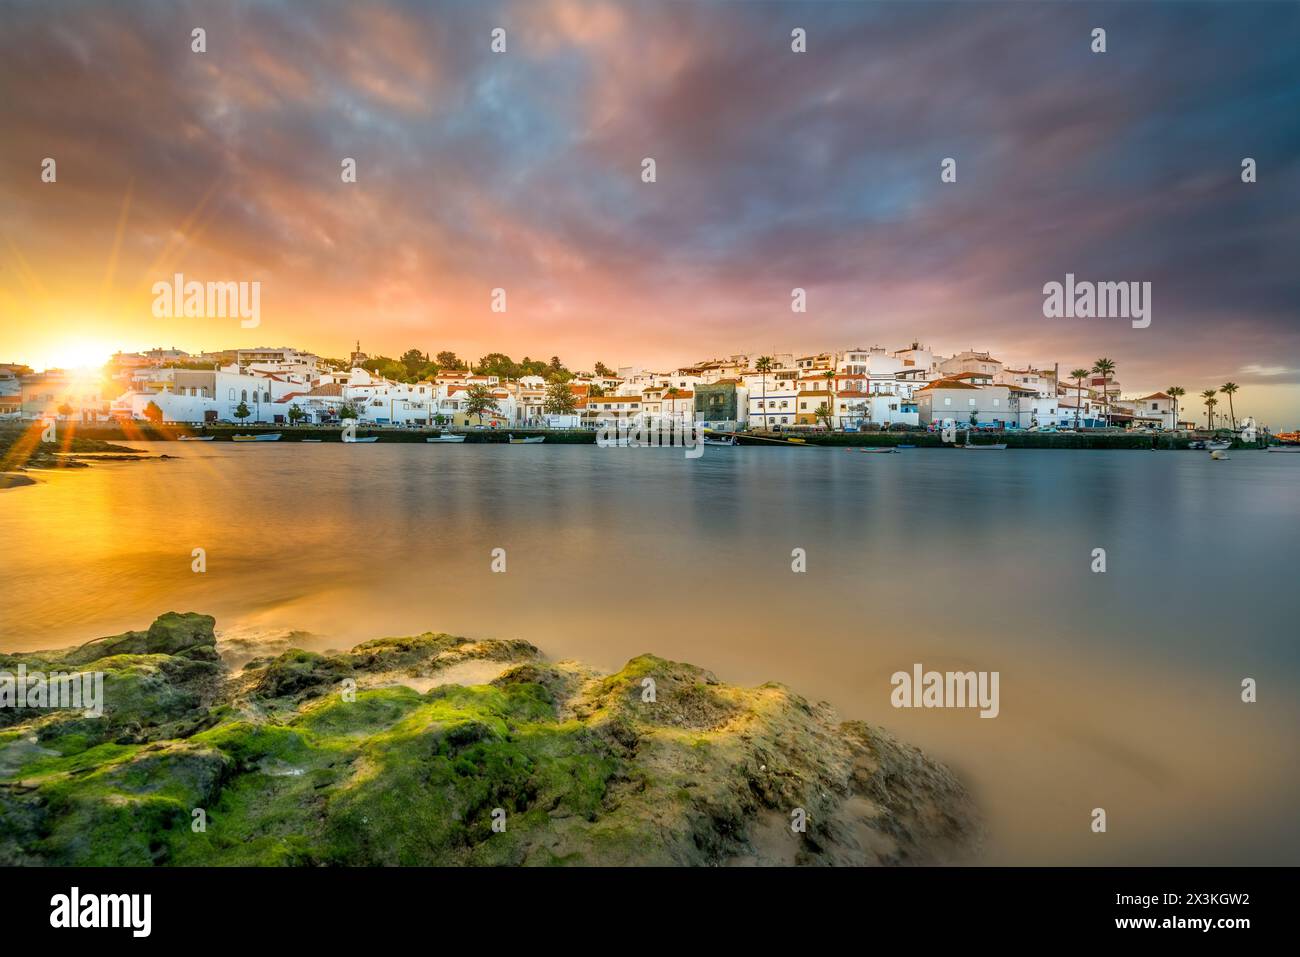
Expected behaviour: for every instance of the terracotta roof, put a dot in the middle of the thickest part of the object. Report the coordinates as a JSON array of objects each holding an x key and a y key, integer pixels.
[{"x": 946, "y": 384}]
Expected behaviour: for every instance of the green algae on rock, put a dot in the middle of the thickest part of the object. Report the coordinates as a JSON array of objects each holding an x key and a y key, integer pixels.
[{"x": 389, "y": 754}]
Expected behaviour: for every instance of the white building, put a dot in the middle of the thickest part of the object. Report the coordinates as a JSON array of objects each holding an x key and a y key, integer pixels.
[
  {"x": 195, "y": 396},
  {"x": 966, "y": 404},
  {"x": 772, "y": 397}
]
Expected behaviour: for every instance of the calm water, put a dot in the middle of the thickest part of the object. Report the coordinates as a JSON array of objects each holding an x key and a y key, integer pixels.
[{"x": 1118, "y": 690}]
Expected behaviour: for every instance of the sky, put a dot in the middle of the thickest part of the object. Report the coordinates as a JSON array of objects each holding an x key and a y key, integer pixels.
[{"x": 522, "y": 171}]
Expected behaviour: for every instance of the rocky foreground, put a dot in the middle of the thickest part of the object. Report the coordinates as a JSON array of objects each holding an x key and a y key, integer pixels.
[{"x": 438, "y": 750}]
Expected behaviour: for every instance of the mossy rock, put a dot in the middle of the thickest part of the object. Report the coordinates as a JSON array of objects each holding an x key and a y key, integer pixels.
[
  {"x": 299, "y": 672},
  {"x": 549, "y": 764},
  {"x": 170, "y": 634}
]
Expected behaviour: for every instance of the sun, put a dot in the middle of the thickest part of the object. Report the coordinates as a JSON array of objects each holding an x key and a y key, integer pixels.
[{"x": 82, "y": 354}]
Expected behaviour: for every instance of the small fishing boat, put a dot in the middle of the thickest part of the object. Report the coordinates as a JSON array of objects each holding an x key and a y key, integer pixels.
[
  {"x": 445, "y": 437},
  {"x": 261, "y": 437},
  {"x": 1283, "y": 448},
  {"x": 990, "y": 447},
  {"x": 195, "y": 438},
  {"x": 1219, "y": 455},
  {"x": 1219, "y": 445},
  {"x": 530, "y": 440},
  {"x": 883, "y": 449},
  {"x": 904, "y": 445},
  {"x": 311, "y": 440},
  {"x": 372, "y": 438},
  {"x": 719, "y": 440}
]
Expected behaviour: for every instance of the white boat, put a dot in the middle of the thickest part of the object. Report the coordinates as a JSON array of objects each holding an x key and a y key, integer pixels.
[
  {"x": 311, "y": 440},
  {"x": 719, "y": 440},
  {"x": 261, "y": 437},
  {"x": 373, "y": 438},
  {"x": 879, "y": 450},
  {"x": 990, "y": 447},
  {"x": 195, "y": 438},
  {"x": 1218, "y": 445},
  {"x": 1219, "y": 455},
  {"x": 1283, "y": 448},
  {"x": 445, "y": 437},
  {"x": 530, "y": 440}
]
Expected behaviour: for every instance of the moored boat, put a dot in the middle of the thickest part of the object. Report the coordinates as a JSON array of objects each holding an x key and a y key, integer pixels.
[
  {"x": 530, "y": 440},
  {"x": 1283, "y": 448},
  {"x": 445, "y": 437},
  {"x": 195, "y": 438},
  {"x": 719, "y": 440},
  {"x": 989, "y": 447},
  {"x": 372, "y": 438},
  {"x": 260, "y": 437},
  {"x": 882, "y": 449},
  {"x": 1218, "y": 445}
]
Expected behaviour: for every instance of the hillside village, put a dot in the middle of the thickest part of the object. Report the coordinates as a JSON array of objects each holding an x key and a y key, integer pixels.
[{"x": 854, "y": 389}]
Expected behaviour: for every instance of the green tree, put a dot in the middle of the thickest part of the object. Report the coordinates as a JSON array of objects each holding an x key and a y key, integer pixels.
[
  {"x": 763, "y": 366},
  {"x": 1229, "y": 389},
  {"x": 155, "y": 415},
  {"x": 1078, "y": 375},
  {"x": 560, "y": 399},
  {"x": 1210, "y": 402},
  {"x": 595, "y": 391},
  {"x": 480, "y": 401},
  {"x": 348, "y": 411},
  {"x": 414, "y": 361},
  {"x": 1176, "y": 392},
  {"x": 65, "y": 410},
  {"x": 1105, "y": 368},
  {"x": 823, "y": 414},
  {"x": 449, "y": 360},
  {"x": 241, "y": 411},
  {"x": 603, "y": 371},
  {"x": 296, "y": 414},
  {"x": 498, "y": 364},
  {"x": 387, "y": 368}
]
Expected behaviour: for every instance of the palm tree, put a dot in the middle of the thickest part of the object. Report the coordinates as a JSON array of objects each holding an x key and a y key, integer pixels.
[
  {"x": 763, "y": 366},
  {"x": 1175, "y": 392},
  {"x": 1228, "y": 388},
  {"x": 1105, "y": 368},
  {"x": 1210, "y": 402},
  {"x": 830, "y": 387},
  {"x": 1078, "y": 375},
  {"x": 671, "y": 394}
]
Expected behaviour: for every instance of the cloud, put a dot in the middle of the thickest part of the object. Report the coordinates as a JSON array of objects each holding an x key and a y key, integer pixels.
[{"x": 776, "y": 170}]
